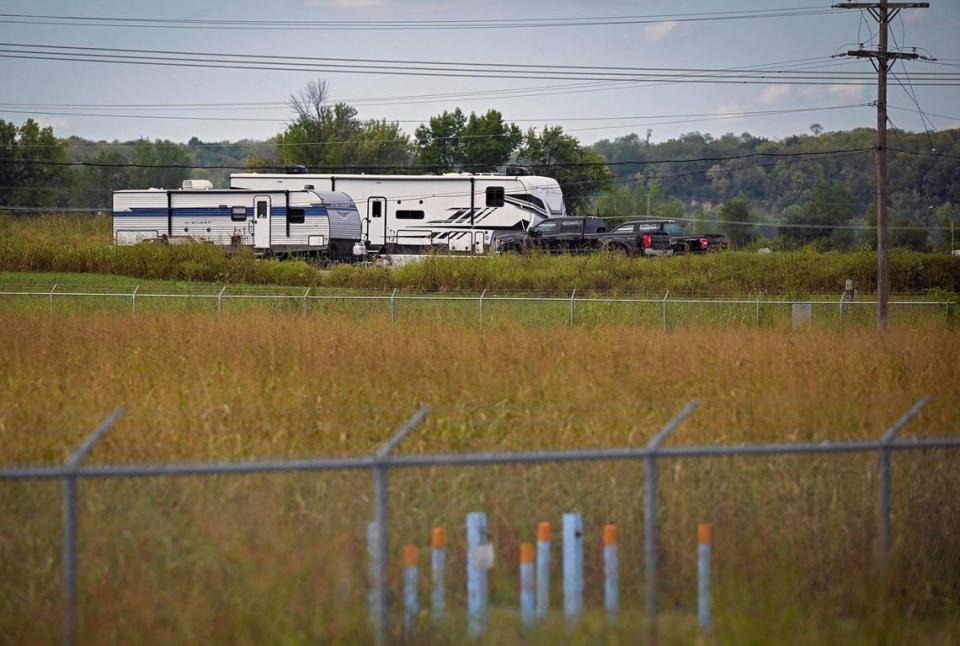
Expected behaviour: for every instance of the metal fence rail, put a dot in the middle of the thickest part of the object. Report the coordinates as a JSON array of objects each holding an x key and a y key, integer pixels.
[
  {"x": 384, "y": 460},
  {"x": 843, "y": 302}
]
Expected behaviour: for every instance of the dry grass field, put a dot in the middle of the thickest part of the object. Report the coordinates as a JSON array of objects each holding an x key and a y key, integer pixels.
[{"x": 281, "y": 558}]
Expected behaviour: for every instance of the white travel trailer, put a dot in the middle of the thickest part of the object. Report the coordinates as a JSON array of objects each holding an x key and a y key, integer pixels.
[
  {"x": 273, "y": 221},
  {"x": 457, "y": 212}
]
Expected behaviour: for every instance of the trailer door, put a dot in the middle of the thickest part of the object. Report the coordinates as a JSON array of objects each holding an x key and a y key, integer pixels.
[
  {"x": 376, "y": 228},
  {"x": 261, "y": 222}
]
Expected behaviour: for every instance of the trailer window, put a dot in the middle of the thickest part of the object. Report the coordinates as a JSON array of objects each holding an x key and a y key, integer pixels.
[
  {"x": 261, "y": 209},
  {"x": 238, "y": 213},
  {"x": 494, "y": 196},
  {"x": 295, "y": 216},
  {"x": 409, "y": 215},
  {"x": 375, "y": 209}
]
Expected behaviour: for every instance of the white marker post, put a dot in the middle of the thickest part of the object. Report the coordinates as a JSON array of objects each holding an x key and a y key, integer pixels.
[
  {"x": 479, "y": 559},
  {"x": 611, "y": 573},
  {"x": 438, "y": 565},
  {"x": 527, "y": 606},
  {"x": 572, "y": 567},
  {"x": 543, "y": 570},
  {"x": 703, "y": 576}
]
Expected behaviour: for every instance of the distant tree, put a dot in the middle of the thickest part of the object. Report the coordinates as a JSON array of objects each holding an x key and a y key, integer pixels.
[
  {"x": 478, "y": 143},
  {"x": 108, "y": 173},
  {"x": 159, "y": 164},
  {"x": 734, "y": 211},
  {"x": 587, "y": 175},
  {"x": 829, "y": 205},
  {"x": 332, "y": 137},
  {"x": 816, "y": 129},
  {"x": 438, "y": 144},
  {"x": 32, "y": 176}
]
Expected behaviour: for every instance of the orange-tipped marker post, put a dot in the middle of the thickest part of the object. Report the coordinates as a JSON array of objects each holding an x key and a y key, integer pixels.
[
  {"x": 411, "y": 605},
  {"x": 527, "y": 608},
  {"x": 611, "y": 572},
  {"x": 543, "y": 570},
  {"x": 703, "y": 576},
  {"x": 438, "y": 564}
]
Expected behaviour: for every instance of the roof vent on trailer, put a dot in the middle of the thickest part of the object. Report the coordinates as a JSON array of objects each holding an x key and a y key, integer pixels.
[
  {"x": 197, "y": 185},
  {"x": 515, "y": 171},
  {"x": 295, "y": 169}
]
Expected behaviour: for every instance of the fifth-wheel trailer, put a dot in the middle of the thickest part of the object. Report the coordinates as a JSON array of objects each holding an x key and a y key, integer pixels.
[
  {"x": 275, "y": 221},
  {"x": 457, "y": 212}
]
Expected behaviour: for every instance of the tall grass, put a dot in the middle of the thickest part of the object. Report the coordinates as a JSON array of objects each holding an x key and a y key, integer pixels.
[
  {"x": 82, "y": 244},
  {"x": 282, "y": 558}
]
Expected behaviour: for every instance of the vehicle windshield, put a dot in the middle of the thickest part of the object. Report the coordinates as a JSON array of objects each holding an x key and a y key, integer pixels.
[{"x": 673, "y": 228}]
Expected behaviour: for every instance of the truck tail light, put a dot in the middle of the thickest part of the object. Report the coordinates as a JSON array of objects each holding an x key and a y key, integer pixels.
[
  {"x": 647, "y": 240},
  {"x": 704, "y": 243}
]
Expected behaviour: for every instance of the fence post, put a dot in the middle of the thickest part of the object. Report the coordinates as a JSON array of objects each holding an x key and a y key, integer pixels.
[
  {"x": 759, "y": 296},
  {"x": 70, "y": 496},
  {"x": 884, "y": 480},
  {"x": 220, "y": 299},
  {"x": 411, "y": 605},
  {"x": 133, "y": 297},
  {"x": 572, "y": 567},
  {"x": 305, "y": 300},
  {"x": 51, "y": 298},
  {"x": 663, "y": 306},
  {"x": 842, "y": 297},
  {"x": 527, "y": 604},
  {"x": 438, "y": 564},
  {"x": 482, "y": 294},
  {"x": 378, "y": 595},
  {"x": 543, "y": 569},
  {"x": 650, "y": 513},
  {"x": 393, "y": 298},
  {"x": 611, "y": 573},
  {"x": 478, "y": 559},
  {"x": 703, "y": 576},
  {"x": 573, "y": 317}
]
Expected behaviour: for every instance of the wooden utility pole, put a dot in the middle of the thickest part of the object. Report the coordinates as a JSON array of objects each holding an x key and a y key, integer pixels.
[{"x": 882, "y": 60}]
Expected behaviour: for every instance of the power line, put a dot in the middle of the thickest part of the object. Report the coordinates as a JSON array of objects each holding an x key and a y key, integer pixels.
[
  {"x": 407, "y": 25},
  {"x": 635, "y": 162},
  {"x": 215, "y": 60}
]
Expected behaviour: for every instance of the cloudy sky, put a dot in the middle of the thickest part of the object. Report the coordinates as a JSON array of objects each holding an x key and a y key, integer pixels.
[{"x": 34, "y": 86}]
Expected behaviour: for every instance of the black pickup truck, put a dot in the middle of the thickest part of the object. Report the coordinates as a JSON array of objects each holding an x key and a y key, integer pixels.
[
  {"x": 680, "y": 242},
  {"x": 582, "y": 235}
]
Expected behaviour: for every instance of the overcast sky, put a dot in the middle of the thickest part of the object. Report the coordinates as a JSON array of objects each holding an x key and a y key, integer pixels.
[{"x": 712, "y": 44}]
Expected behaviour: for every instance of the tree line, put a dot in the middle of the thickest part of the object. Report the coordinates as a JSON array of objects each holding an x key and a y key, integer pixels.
[{"x": 826, "y": 200}]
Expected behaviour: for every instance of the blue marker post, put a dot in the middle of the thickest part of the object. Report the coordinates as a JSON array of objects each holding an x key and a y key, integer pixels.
[
  {"x": 527, "y": 614},
  {"x": 438, "y": 566},
  {"x": 703, "y": 576},
  {"x": 572, "y": 567},
  {"x": 411, "y": 605},
  {"x": 611, "y": 573},
  {"x": 478, "y": 560}
]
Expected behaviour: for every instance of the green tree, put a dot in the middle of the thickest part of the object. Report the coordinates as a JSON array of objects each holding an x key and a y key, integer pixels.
[
  {"x": 32, "y": 173},
  {"x": 488, "y": 141},
  {"x": 159, "y": 164},
  {"x": 331, "y": 137},
  {"x": 438, "y": 144},
  {"x": 580, "y": 171},
  {"x": 96, "y": 183},
  {"x": 737, "y": 210},
  {"x": 829, "y": 205}
]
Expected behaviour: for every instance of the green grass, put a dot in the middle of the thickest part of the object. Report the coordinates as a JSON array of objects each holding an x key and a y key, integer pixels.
[{"x": 81, "y": 244}]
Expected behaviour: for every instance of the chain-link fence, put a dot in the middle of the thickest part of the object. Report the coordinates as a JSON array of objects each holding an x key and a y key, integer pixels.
[{"x": 812, "y": 539}]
